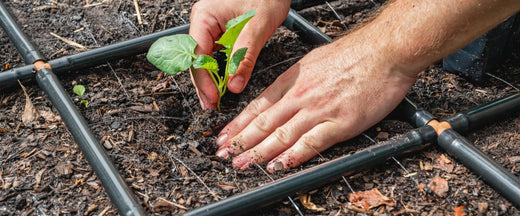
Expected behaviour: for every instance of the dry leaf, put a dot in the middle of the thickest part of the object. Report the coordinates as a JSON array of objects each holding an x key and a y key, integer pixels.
[
  {"x": 443, "y": 163},
  {"x": 162, "y": 204},
  {"x": 29, "y": 113},
  {"x": 439, "y": 186},
  {"x": 305, "y": 199},
  {"x": 225, "y": 186},
  {"x": 459, "y": 211},
  {"x": 49, "y": 115},
  {"x": 382, "y": 135},
  {"x": 370, "y": 199},
  {"x": 421, "y": 188}
]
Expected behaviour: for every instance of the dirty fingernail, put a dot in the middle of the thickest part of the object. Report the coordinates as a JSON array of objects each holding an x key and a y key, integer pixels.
[
  {"x": 223, "y": 153},
  {"x": 241, "y": 162},
  {"x": 237, "y": 83},
  {"x": 275, "y": 166},
  {"x": 222, "y": 139}
]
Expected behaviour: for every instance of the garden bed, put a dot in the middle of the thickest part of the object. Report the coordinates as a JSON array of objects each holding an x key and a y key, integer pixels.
[{"x": 152, "y": 126}]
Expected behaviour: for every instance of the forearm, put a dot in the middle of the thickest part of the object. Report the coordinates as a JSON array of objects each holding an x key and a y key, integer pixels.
[{"x": 410, "y": 35}]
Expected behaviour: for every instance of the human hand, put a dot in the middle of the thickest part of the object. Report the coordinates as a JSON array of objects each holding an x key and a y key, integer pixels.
[
  {"x": 208, "y": 22},
  {"x": 332, "y": 94}
]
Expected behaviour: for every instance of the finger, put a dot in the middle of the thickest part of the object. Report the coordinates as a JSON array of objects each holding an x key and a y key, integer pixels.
[
  {"x": 254, "y": 36},
  {"x": 319, "y": 138},
  {"x": 278, "y": 141},
  {"x": 259, "y": 128},
  {"x": 266, "y": 99},
  {"x": 204, "y": 29}
]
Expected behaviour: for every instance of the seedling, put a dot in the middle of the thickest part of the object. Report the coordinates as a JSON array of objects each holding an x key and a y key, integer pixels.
[
  {"x": 80, "y": 90},
  {"x": 175, "y": 53}
]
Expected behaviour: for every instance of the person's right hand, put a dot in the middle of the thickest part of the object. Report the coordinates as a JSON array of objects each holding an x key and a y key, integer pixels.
[{"x": 208, "y": 22}]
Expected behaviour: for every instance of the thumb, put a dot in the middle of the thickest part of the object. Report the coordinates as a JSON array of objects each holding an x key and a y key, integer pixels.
[{"x": 253, "y": 36}]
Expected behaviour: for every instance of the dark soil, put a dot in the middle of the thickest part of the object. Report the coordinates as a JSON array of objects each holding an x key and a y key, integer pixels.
[{"x": 148, "y": 122}]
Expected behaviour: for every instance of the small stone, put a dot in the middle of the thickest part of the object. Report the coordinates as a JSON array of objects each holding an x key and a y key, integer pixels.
[
  {"x": 107, "y": 144},
  {"x": 115, "y": 125}
]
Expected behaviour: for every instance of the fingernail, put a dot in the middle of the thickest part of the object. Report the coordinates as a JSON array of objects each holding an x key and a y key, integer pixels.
[
  {"x": 221, "y": 139},
  {"x": 237, "y": 83},
  {"x": 275, "y": 166},
  {"x": 241, "y": 162},
  {"x": 223, "y": 153}
]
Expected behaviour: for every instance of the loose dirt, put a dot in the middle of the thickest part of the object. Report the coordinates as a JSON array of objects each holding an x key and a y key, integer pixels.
[{"x": 149, "y": 122}]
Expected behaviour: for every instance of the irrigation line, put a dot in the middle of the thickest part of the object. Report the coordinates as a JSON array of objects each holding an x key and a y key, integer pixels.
[
  {"x": 105, "y": 170},
  {"x": 197, "y": 177},
  {"x": 504, "y": 81},
  {"x": 290, "y": 199},
  {"x": 91, "y": 57}
]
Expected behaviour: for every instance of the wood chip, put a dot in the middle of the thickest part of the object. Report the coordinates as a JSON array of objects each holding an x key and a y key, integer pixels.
[
  {"x": 69, "y": 42},
  {"x": 225, "y": 186},
  {"x": 305, "y": 199},
  {"x": 443, "y": 163},
  {"x": 162, "y": 204},
  {"x": 439, "y": 186}
]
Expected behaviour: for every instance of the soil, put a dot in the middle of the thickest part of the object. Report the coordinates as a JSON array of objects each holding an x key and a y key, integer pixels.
[{"x": 148, "y": 122}]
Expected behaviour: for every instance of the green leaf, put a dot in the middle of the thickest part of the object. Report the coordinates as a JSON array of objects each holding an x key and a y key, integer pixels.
[
  {"x": 238, "y": 56},
  {"x": 79, "y": 90},
  {"x": 233, "y": 29},
  {"x": 85, "y": 102},
  {"x": 172, "y": 54},
  {"x": 206, "y": 62}
]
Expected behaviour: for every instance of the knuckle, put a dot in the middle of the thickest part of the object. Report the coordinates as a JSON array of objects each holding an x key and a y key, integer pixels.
[
  {"x": 254, "y": 107},
  {"x": 262, "y": 122},
  {"x": 196, "y": 8},
  {"x": 310, "y": 142},
  {"x": 283, "y": 135}
]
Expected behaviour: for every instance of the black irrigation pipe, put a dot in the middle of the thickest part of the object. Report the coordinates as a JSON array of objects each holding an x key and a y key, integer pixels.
[
  {"x": 129, "y": 48},
  {"x": 105, "y": 170},
  {"x": 91, "y": 57},
  {"x": 411, "y": 141},
  {"x": 118, "y": 191},
  {"x": 507, "y": 184},
  {"x": 414, "y": 139},
  {"x": 501, "y": 180}
]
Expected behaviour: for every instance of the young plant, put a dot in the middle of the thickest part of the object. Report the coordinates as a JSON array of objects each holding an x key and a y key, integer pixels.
[
  {"x": 80, "y": 90},
  {"x": 175, "y": 53}
]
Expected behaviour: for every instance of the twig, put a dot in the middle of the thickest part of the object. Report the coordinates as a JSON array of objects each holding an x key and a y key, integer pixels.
[
  {"x": 69, "y": 42},
  {"x": 139, "y": 19},
  {"x": 196, "y": 176},
  {"x": 157, "y": 117}
]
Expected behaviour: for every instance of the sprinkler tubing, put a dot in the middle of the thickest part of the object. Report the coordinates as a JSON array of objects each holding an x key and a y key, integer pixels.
[
  {"x": 492, "y": 172},
  {"x": 306, "y": 30},
  {"x": 461, "y": 148},
  {"x": 461, "y": 120},
  {"x": 91, "y": 57},
  {"x": 478, "y": 116},
  {"x": 408, "y": 142},
  {"x": 318, "y": 175},
  {"x": 138, "y": 45},
  {"x": 98, "y": 159},
  {"x": 20, "y": 40},
  {"x": 116, "y": 188}
]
